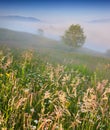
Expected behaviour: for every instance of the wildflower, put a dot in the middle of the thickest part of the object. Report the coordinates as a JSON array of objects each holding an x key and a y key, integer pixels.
[
  {"x": 27, "y": 55},
  {"x": 98, "y": 117},
  {"x": 100, "y": 87},
  {"x": 32, "y": 110},
  {"x": 89, "y": 101},
  {"x": 33, "y": 127},
  {"x": 62, "y": 97},
  {"x": 57, "y": 127},
  {"x": 26, "y": 90},
  {"x": 50, "y": 101},
  {"x": 51, "y": 76},
  {"x": 66, "y": 78},
  {"x": 9, "y": 61},
  {"x": 21, "y": 102},
  {"x": 47, "y": 95},
  {"x": 91, "y": 121},
  {"x": 1, "y": 75},
  {"x": 58, "y": 112},
  {"x": 4, "y": 128},
  {"x": 7, "y": 74},
  {"x": 36, "y": 121},
  {"x": 107, "y": 90}
]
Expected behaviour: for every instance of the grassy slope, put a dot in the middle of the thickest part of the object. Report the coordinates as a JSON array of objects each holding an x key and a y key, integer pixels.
[
  {"x": 28, "y": 39},
  {"x": 36, "y": 95},
  {"x": 24, "y": 39},
  {"x": 54, "y": 51}
]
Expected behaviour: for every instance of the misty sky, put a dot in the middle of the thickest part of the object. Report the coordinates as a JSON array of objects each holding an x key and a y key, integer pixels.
[{"x": 58, "y": 15}]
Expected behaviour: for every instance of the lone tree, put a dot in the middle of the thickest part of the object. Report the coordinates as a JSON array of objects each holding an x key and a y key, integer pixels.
[
  {"x": 74, "y": 36},
  {"x": 40, "y": 32},
  {"x": 108, "y": 52}
]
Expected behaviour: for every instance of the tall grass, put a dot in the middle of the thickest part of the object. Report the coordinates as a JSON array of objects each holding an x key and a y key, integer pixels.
[{"x": 36, "y": 95}]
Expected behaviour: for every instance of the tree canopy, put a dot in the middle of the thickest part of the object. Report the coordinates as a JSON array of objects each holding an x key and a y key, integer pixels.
[
  {"x": 108, "y": 52},
  {"x": 40, "y": 32},
  {"x": 74, "y": 36}
]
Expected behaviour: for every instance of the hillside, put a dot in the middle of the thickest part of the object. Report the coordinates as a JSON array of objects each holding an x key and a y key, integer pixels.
[
  {"x": 54, "y": 51},
  {"x": 27, "y": 39},
  {"x": 37, "y": 95},
  {"x": 51, "y": 84},
  {"x": 23, "y": 38}
]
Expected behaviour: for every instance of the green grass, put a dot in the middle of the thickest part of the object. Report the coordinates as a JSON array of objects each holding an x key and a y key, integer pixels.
[{"x": 40, "y": 92}]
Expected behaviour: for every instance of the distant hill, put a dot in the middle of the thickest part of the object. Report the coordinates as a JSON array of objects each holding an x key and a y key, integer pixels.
[
  {"x": 20, "y": 18},
  {"x": 16, "y": 38},
  {"x": 41, "y": 44},
  {"x": 106, "y": 20}
]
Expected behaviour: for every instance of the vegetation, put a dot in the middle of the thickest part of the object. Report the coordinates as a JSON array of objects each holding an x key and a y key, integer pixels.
[
  {"x": 108, "y": 52},
  {"x": 38, "y": 95},
  {"x": 74, "y": 36},
  {"x": 40, "y": 32}
]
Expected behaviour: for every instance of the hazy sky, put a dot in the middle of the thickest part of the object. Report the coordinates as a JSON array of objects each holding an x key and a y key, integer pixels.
[{"x": 57, "y": 15}]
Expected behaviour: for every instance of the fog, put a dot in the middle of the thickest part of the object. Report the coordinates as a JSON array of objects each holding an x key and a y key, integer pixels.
[{"x": 97, "y": 34}]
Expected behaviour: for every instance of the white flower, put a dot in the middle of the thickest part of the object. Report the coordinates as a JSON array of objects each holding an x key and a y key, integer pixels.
[
  {"x": 36, "y": 121},
  {"x": 33, "y": 127},
  {"x": 26, "y": 90},
  {"x": 32, "y": 110}
]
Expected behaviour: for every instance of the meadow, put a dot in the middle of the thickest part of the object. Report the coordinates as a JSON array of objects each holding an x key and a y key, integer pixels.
[{"x": 37, "y": 93}]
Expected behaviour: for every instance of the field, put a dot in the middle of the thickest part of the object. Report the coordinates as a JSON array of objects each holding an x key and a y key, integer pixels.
[{"x": 43, "y": 92}]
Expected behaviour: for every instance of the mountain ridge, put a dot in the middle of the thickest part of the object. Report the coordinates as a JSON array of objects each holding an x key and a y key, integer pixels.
[{"x": 20, "y": 18}]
